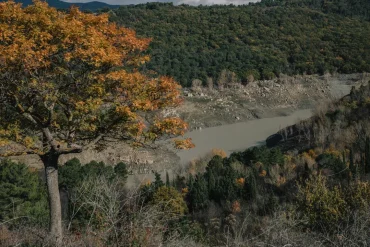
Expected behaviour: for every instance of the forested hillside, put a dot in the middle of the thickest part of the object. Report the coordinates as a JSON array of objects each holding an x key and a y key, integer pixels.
[{"x": 263, "y": 40}]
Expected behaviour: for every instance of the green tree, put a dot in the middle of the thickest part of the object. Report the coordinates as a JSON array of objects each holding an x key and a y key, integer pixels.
[
  {"x": 167, "y": 179},
  {"x": 22, "y": 195},
  {"x": 252, "y": 188},
  {"x": 198, "y": 195}
]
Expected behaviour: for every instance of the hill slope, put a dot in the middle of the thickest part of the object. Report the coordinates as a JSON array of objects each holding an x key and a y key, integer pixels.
[{"x": 259, "y": 39}]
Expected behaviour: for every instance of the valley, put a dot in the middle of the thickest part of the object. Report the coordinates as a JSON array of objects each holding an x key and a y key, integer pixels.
[{"x": 166, "y": 124}]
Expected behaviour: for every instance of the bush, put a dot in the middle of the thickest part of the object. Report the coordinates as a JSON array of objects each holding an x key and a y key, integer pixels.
[
  {"x": 170, "y": 201},
  {"x": 358, "y": 196}
]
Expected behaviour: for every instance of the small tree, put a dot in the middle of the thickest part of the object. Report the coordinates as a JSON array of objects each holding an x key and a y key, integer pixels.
[
  {"x": 227, "y": 78},
  {"x": 68, "y": 81},
  {"x": 210, "y": 83},
  {"x": 167, "y": 179},
  {"x": 196, "y": 85}
]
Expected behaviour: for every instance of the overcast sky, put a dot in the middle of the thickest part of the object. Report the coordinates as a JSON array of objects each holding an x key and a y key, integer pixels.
[{"x": 191, "y": 2}]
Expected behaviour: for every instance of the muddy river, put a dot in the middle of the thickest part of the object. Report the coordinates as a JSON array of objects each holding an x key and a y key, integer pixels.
[{"x": 238, "y": 136}]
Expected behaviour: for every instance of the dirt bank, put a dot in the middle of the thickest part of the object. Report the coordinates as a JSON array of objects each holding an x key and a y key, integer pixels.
[{"x": 204, "y": 108}]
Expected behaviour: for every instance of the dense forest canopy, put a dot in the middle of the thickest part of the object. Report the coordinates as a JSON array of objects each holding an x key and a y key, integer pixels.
[{"x": 263, "y": 40}]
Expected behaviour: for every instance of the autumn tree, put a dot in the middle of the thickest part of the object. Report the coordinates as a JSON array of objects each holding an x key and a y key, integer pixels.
[{"x": 68, "y": 81}]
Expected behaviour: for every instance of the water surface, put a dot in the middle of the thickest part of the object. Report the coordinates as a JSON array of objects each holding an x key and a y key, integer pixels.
[{"x": 238, "y": 136}]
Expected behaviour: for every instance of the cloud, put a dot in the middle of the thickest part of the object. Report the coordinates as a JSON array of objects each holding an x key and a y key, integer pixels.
[{"x": 190, "y": 2}]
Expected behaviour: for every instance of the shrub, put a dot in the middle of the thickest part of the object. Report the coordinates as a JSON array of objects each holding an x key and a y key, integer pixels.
[
  {"x": 170, "y": 201},
  {"x": 358, "y": 196}
]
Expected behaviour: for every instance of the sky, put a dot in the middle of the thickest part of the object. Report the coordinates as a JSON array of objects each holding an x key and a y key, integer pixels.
[{"x": 190, "y": 2}]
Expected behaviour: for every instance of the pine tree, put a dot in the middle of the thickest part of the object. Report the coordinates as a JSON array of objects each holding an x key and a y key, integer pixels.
[
  {"x": 158, "y": 181},
  {"x": 190, "y": 182},
  {"x": 367, "y": 155},
  {"x": 198, "y": 196},
  {"x": 344, "y": 157},
  {"x": 352, "y": 168},
  {"x": 252, "y": 186},
  {"x": 211, "y": 181},
  {"x": 362, "y": 168}
]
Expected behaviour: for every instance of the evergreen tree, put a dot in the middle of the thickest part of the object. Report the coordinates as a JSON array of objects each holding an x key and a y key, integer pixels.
[
  {"x": 344, "y": 157},
  {"x": 121, "y": 170},
  {"x": 362, "y": 168},
  {"x": 158, "y": 181},
  {"x": 211, "y": 183},
  {"x": 167, "y": 179},
  {"x": 198, "y": 196},
  {"x": 352, "y": 168},
  {"x": 367, "y": 155},
  {"x": 22, "y": 194},
  {"x": 252, "y": 186},
  {"x": 190, "y": 182}
]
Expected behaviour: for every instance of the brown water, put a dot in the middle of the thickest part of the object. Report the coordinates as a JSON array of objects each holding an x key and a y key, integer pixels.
[{"x": 238, "y": 136}]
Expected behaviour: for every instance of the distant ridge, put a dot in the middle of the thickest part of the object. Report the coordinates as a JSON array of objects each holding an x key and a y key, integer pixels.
[{"x": 93, "y": 6}]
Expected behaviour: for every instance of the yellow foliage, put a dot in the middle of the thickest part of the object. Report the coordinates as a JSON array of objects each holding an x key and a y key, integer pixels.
[
  {"x": 184, "y": 144},
  {"x": 324, "y": 207},
  {"x": 312, "y": 154},
  {"x": 146, "y": 182},
  {"x": 219, "y": 152},
  {"x": 79, "y": 103},
  {"x": 235, "y": 207},
  {"x": 170, "y": 201},
  {"x": 367, "y": 100},
  {"x": 262, "y": 173},
  {"x": 184, "y": 191},
  {"x": 28, "y": 142},
  {"x": 332, "y": 151},
  {"x": 240, "y": 182},
  {"x": 280, "y": 181},
  {"x": 288, "y": 158},
  {"x": 358, "y": 196}
]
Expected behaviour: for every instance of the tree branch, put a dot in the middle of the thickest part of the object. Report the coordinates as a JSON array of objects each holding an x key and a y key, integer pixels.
[{"x": 93, "y": 142}]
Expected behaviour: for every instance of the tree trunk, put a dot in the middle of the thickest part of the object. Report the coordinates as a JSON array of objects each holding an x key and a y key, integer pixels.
[{"x": 50, "y": 161}]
